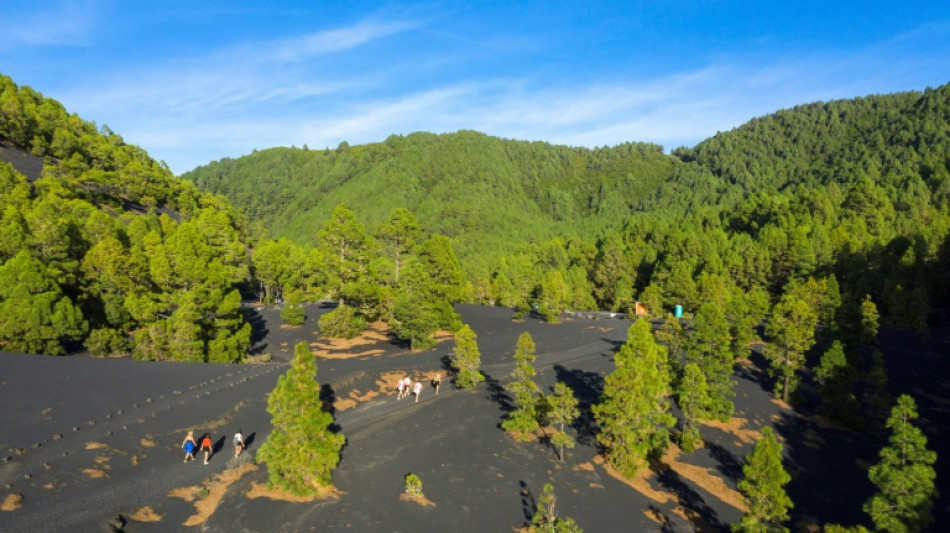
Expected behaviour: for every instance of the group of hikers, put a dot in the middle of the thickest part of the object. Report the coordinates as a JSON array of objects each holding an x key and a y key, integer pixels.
[
  {"x": 191, "y": 446},
  {"x": 407, "y": 386}
]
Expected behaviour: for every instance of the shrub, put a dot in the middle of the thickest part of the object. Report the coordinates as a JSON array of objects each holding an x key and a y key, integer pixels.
[
  {"x": 293, "y": 314},
  {"x": 342, "y": 322},
  {"x": 106, "y": 341},
  {"x": 413, "y": 486}
]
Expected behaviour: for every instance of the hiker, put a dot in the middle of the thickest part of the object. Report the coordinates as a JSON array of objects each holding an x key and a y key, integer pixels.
[
  {"x": 189, "y": 445},
  {"x": 406, "y": 386},
  {"x": 206, "y": 446},
  {"x": 436, "y": 381},
  {"x": 238, "y": 443},
  {"x": 416, "y": 389},
  {"x": 401, "y": 387}
]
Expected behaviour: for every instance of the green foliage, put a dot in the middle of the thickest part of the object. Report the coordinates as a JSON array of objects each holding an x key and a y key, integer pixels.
[
  {"x": 35, "y": 315},
  {"x": 763, "y": 488},
  {"x": 341, "y": 323},
  {"x": 560, "y": 409},
  {"x": 837, "y": 378},
  {"x": 293, "y": 314},
  {"x": 634, "y": 413},
  {"x": 791, "y": 332},
  {"x": 904, "y": 477},
  {"x": 523, "y": 420},
  {"x": 709, "y": 347},
  {"x": 546, "y": 519},
  {"x": 301, "y": 451},
  {"x": 466, "y": 359},
  {"x": 413, "y": 486},
  {"x": 693, "y": 399},
  {"x": 106, "y": 342}
]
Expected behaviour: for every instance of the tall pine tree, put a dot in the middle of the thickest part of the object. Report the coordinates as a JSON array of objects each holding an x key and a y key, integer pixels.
[
  {"x": 904, "y": 477},
  {"x": 763, "y": 488},
  {"x": 301, "y": 451},
  {"x": 466, "y": 359},
  {"x": 523, "y": 420},
  {"x": 635, "y": 412}
]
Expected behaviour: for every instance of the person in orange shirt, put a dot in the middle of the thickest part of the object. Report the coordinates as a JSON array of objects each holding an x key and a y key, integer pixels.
[{"x": 206, "y": 446}]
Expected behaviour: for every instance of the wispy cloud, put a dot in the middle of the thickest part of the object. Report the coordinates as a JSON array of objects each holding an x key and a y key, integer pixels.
[
  {"x": 305, "y": 90},
  {"x": 325, "y": 42},
  {"x": 68, "y": 23}
]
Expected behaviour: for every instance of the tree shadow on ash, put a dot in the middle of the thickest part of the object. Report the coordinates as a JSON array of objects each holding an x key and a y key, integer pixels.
[
  {"x": 528, "y": 504},
  {"x": 726, "y": 462},
  {"x": 328, "y": 399},
  {"x": 690, "y": 500},
  {"x": 827, "y": 484},
  {"x": 666, "y": 525},
  {"x": 498, "y": 394},
  {"x": 259, "y": 331},
  {"x": 587, "y": 387},
  {"x": 755, "y": 372}
]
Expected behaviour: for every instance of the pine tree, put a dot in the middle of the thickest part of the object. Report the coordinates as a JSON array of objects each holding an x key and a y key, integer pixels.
[
  {"x": 546, "y": 520},
  {"x": 301, "y": 451},
  {"x": 561, "y": 410},
  {"x": 693, "y": 399},
  {"x": 791, "y": 331},
  {"x": 837, "y": 385},
  {"x": 904, "y": 476},
  {"x": 523, "y": 420},
  {"x": 634, "y": 414},
  {"x": 763, "y": 488},
  {"x": 710, "y": 349},
  {"x": 466, "y": 359}
]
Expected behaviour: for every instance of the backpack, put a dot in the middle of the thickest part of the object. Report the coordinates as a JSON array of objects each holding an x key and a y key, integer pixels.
[{"x": 237, "y": 439}]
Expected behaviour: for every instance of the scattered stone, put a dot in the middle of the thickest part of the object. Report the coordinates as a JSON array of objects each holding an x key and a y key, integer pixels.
[
  {"x": 7, "y": 459},
  {"x": 37, "y": 445},
  {"x": 109, "y": 415},
  {"x": 75, "y": 428},
  {"x": 148, "y": 400},
  {"x": 92, "y": 422},
  {"x": 65, "y": 454},
  {"x": 119, "y": 412},
  {"x": 27, "y": 476},
  {"x": 57, "y": 436}
]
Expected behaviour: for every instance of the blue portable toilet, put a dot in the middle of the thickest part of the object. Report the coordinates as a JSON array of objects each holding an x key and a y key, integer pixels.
[{"x": 678, "y": 311}]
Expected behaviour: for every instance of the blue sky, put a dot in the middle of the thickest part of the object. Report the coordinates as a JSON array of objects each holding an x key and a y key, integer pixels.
[{"x": 196, "y": 81}]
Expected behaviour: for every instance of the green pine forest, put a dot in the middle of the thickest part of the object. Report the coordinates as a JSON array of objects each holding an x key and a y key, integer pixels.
[{"x": 833, "y": 203}]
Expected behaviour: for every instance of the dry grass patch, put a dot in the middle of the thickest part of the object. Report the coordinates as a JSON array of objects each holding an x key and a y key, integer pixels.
[
  {"x": 95, "y": 473},
  {"x": 148, "y": 441},
  {"x": 638, "y": 483},
  {"x": 703, "y": 478},
  {"x": 49, "y": 486},
  {"x": 262, "y": 490},
  {"x": 146, "y": 514},
  {"x": 96, "y": 445},
  {"x": 587, "y": 467},
  {"x": 208, "y": 496},
  {"x": 735, "y": 427},
  {"x": 700, "y": 525},
  {"x": 12, "y": 502},
  {"x": 655, "y": 515},
  {"x": 420, "y": 499},
  {"x": 596, "y": 486}
]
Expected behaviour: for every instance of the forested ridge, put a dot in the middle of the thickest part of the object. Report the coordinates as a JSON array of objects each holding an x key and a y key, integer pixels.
[{"x": 489, "y": 195}]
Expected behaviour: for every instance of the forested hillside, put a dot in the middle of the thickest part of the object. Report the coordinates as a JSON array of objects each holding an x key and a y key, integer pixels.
[
  {"x": 106, "y": 247},
  {"x": 488, "y": 195}
]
